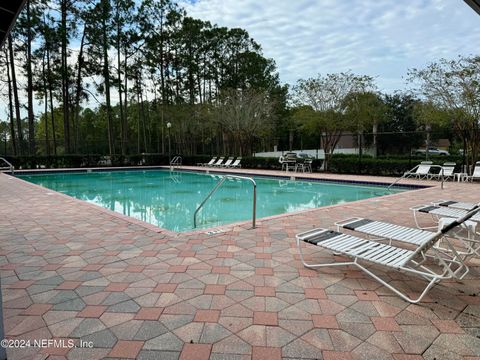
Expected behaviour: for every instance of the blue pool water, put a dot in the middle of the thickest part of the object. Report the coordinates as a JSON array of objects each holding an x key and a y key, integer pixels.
[{"x": 169, "y": 199}]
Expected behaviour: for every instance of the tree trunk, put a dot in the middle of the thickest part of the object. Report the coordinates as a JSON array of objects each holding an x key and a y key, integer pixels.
[
  {"x": 142, "y": 107},
  {"x": 15, "y": 96},
  {"x": 65, "y": 80},
  {"x": 31, "y": 124},
  {"x": 78, "y": 90},
  {"x": 138, "y": 122},
  {"x": 162, "y": 58},
  {"x": 106, "y": 76},
  {"x": 50, "y": 90},
  {"x": 45, "y": 115},
  {"x": 10, "y": 108},
  {"x": 119, "y": 75},
  {"x": 125, "y": 90}
]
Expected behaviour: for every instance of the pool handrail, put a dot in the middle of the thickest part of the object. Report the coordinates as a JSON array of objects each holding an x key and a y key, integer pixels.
[
  {"x": 12, "y": 168},
  {"x": 254, "y": 213}
]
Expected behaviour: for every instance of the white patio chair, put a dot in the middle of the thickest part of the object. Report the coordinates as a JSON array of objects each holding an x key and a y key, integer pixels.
[
  {"x": 476, "y": 173},
  {"x": 218, "y": 162},
  {"x": 448, "y": 171},
  {"x": 227, "y": 163},
  {"x": 391, "y": 257},
  {"x": 308, "y": 165},
  {"x": 236, "y": 163},
  {"x": 421, "y": 171}
]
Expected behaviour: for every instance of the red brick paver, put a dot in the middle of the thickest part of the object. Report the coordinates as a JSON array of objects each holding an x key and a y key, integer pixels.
[
  {"x": 196, "y": 352},
  {"x": 325, "y": 321},
  {"x": 126, "y": 349},
  {"x": 165, "y": 288},
  {"x": 148, "y": 313},
  {"x": 266, "y": 353}
]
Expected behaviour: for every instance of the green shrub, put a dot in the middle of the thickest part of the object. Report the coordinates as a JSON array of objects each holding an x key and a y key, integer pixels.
[
  {"x": 339, "y": 163},
  {"x": 351, "y": 164}
]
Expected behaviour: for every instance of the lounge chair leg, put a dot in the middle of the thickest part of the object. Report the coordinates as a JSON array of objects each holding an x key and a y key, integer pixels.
[
  {"x": 432, "y": 282},
  {"x": 417, "y": 223}
]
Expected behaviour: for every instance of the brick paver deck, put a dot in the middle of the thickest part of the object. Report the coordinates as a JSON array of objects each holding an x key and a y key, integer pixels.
[{"x": 72, "y": 271}]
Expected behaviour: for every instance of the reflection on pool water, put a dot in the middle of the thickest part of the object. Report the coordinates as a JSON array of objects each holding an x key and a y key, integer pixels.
[{"x": 169, "y": 199}]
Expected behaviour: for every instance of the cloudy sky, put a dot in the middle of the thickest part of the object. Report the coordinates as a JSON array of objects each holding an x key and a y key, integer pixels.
[{"x": 381, "y": 38}]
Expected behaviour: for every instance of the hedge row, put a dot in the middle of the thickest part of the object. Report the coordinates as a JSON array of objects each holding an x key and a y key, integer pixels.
[
  {"x": 380, "y": 166},
  {"x": 93, "y": 160},
  {"x": 341, "y": 164},
  {"x": 79, "y": 161}
]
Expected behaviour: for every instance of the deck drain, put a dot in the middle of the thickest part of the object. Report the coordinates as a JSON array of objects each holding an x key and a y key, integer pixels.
[{"x": 214, "y": 232}]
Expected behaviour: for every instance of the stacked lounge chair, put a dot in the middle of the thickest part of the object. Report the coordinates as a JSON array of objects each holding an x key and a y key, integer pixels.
[
  {"x": 218, "y": 162},
  {"x": 226, "y": 163},
  {"x": 443, "y": 215},
  {"x": 209, "y": 163},
  {"x": 451, "y": 264},
  {"x": 236, "y": 163}
]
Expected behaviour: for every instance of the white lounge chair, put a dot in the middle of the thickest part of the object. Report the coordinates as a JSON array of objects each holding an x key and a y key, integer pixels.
[
  {"x": 392, "y": 232},
  {"x": 476, "y": 173},
  {"x": 440, "y": 212},
  {"x": 448, "y": 172},
  {"x": 444, "y": 215},
  {"x": 392, "y": 257},
  {"x": 218, "y": 162},
  {"x": 209, "y": 163},
  {"x": 236, "y": 163},
  {"x": 454, "y": 204},
  {"x": 227, "y": 163},
  {"x": 421, "y": 171}
]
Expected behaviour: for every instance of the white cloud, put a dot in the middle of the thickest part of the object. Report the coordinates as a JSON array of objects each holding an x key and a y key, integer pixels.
[{"x": 381, "y": 38}]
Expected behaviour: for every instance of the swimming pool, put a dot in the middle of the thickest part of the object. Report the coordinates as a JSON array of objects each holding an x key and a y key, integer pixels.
[{"x": 169, "y": 199}]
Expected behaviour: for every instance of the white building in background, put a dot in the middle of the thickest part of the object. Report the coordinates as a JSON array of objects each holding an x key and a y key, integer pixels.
[{"x": 346, "y": 145}]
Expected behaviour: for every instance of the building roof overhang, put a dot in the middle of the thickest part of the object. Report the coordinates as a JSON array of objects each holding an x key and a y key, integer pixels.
[
  {"x": 474, "y": 4},
  {"x": 9, "y": 11}
]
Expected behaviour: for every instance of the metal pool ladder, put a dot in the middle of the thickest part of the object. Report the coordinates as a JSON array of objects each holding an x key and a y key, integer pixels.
[
  {"x": 254, "y": 213},
  {"x": 176, "y": 161},
  {"x": 10, "y": 166}
]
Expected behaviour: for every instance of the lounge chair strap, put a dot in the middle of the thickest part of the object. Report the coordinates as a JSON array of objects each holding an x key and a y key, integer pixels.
[
  {"x": 317, "y": 238},
  {"x": 427, "y": 209},
  {"x": 359, "y": 248},
  {"x": 356, "y": 224},
  {"x": 447, "y": 203}
]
